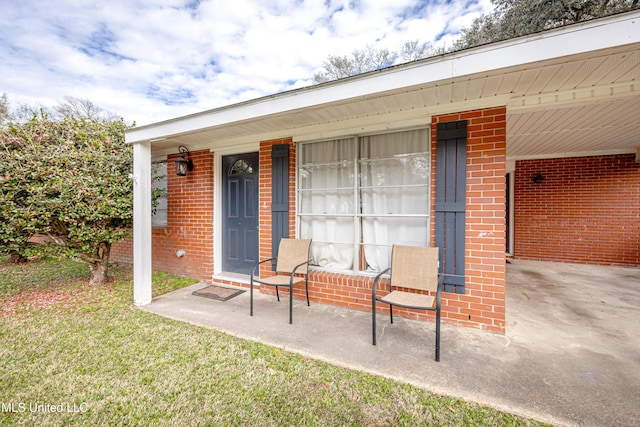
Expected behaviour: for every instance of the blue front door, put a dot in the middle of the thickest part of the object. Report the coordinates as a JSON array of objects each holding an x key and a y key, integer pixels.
[{"x": 240, "y": 213}]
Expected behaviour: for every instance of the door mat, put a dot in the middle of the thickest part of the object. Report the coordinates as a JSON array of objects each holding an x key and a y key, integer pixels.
[{"x": 217, "y": 292}]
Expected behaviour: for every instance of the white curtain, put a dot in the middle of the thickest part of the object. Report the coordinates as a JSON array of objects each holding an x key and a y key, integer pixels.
[
  {"x": 357, "y": 196},
  {"x": 326, "y": 180},
  {"x": 394, "y": 178}
]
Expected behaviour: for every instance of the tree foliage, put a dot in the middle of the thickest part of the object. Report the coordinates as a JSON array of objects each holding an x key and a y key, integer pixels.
[
  {"x": 82, "y": 108},
  {"x": 65, "y": 184},
  {"x": 509, "y": 19},
  {"x": 5, "y": 116},
  {"x": 514, "y": 18},
  {"x": 69, "y": 107},
  {"x": 360, "y": 61},
  {"x": 370, "y": 59}
]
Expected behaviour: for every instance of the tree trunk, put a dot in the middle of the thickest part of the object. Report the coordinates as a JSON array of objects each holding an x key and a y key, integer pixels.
[
  {"x": 98, "y": 273},
  {"x": 99, "y": 268},
  {"x": 16, "y": 258}
]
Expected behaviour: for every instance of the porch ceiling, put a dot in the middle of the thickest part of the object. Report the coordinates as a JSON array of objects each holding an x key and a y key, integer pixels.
[{"x": 585, "y": 103}]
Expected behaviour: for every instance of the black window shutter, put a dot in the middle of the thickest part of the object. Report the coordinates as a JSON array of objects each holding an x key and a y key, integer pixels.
[
  {"x": 279, "y": 197},
  {"x": 451, "y": 182}
]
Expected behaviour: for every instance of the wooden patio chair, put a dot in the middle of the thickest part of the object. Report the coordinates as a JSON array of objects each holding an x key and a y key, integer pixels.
[
  {"x": 412, "y": 269},
  {"x": 293, "y": 258}
]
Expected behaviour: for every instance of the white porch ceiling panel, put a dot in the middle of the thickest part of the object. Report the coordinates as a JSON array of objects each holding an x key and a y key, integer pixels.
[
  {"x": 582, "y": 106},
  {"x": 589, "y": 128},
  {"x": 586, "y": 103}
]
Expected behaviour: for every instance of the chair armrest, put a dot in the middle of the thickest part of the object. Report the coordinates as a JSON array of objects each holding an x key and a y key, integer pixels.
[
  {"x": 375, "y": 282},
  {"x": 258, "y": 265},
  {"x": 298, "y": 266}
]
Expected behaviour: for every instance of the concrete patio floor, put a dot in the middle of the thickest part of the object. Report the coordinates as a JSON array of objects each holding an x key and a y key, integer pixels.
[{"x": 570, "y": 355}]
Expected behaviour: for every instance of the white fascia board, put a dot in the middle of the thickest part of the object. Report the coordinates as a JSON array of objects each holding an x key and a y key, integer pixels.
[
  {"x": 575, "y": 39},
  {"x": 581, "y": 38}
]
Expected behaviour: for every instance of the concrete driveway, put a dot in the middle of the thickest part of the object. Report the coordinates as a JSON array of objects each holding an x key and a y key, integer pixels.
[
  {"x": 570, "y": 356},
  {"x": 577, "y": 330}
]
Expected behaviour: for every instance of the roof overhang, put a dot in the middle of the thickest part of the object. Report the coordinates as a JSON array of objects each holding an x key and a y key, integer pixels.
[{"x": 568, "y": 91}]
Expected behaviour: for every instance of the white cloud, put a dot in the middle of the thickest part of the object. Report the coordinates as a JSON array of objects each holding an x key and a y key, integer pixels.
[{"x": 153, "y": 60}]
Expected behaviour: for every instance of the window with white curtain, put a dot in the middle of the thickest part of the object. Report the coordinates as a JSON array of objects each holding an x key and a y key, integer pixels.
[{"x": 358, "y": 196}]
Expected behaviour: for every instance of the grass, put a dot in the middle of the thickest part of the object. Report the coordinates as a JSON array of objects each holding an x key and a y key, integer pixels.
[{"x": 89, "y": 352}]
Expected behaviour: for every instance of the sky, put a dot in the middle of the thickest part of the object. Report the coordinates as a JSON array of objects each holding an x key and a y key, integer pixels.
[{"x": 153, "y": 60}]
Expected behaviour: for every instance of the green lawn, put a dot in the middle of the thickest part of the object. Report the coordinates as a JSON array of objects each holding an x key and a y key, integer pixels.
[{"x": 88, "y": 352}]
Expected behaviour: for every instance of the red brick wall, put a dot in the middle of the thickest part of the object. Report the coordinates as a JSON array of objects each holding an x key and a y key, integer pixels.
[
  {"x": 190, "y": 212},
  {"x": 190, "y": 226},
  {"x": 586, "y": 210},
  {"x": 122, "y": 252},
  {"x": 483, "y": 304},
  {"x": 189, "y": 223}
]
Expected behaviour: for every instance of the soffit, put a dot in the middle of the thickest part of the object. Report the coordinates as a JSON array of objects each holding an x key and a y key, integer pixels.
[{"x": 584, "y": 105}]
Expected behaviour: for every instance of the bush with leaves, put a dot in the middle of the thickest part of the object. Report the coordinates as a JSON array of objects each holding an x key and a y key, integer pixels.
[{"x": 65, "y": 189}]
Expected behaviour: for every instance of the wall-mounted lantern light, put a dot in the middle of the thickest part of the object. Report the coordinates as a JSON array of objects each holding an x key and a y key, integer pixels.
[
  {"x": 538, "y": 178},
  {"x": 183, "y": 165}
]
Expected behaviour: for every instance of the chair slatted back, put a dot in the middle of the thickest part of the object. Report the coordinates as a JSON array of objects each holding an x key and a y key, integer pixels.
[
  {"x": 292, "y": 252},
  {"x": 414, "y": 267}
]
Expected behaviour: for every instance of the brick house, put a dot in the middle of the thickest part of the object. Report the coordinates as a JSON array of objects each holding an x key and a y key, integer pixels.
[{"x": 527, "y": 148}]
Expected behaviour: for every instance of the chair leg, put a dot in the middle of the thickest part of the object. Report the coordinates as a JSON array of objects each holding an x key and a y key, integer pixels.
[
  {"x": 251, "y": 299},
  {"x": 307, "y": 288},
  {"x": 290, "y": 304},
  {"x": 437, "y": 335},
  {"x": 277, "y": 294},
  {"x": 391, "y": 312},
  {"x": 373, "y": 315}
]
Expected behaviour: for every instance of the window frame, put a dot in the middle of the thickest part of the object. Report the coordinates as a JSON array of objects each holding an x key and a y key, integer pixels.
[
  {"x": 357, "y": 241},
  {"x": 157, "y": 221}
]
